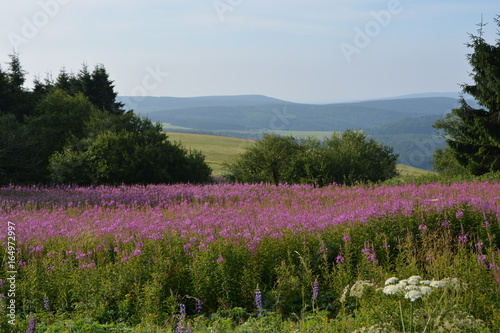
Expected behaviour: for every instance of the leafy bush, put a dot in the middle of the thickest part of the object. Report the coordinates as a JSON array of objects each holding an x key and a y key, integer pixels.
[
  {"x": 126, "y": 150},
  {"x": 345, "y": 158}
]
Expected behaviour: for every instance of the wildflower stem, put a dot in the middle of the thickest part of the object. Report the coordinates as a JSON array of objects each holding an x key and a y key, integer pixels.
[
  {"x": 402, "y": 317},
  {"x": 433, "y": 311},
  {"x": 411, "y": 317}
]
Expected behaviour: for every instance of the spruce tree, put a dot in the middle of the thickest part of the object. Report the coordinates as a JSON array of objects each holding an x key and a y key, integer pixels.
[{"x": 473, "y": 133}]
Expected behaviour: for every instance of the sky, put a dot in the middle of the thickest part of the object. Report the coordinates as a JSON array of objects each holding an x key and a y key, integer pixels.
[{"x": 313, "y": 51}]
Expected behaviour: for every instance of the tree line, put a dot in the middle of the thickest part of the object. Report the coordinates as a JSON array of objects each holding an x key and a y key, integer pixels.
[{"x": 73, "y": 130}]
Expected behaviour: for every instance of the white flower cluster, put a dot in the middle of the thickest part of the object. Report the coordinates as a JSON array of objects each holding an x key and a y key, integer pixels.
[{"x": 412, "y": 288}]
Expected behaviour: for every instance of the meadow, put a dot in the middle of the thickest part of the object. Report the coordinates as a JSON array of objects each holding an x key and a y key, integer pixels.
[
  {"x": 219, "y": 149},
  {"x": 252, "y": 258}
]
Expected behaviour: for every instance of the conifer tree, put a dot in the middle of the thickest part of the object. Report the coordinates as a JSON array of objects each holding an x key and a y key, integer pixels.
[{"x": 473, "y": 134}]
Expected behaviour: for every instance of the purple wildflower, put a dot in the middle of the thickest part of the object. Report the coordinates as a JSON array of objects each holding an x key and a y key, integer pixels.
[
  {"x": 346, "y": 239},
  {"x": 2, "y": 283},
  {"x": 220, "y": 259},
  {"x": 258, "y": 301},
  {"x": 46, "y": 304},
  {"x": 459, "y": 214},
  {"x": 340, "y": 259},
  {"x": 31, "y": 325},
  {"x": 137, "y": 252},
  {"x": 445, "y": 223},
  {"x": 370, "y": 254},
  {"x": 315, "y": 290},
  {"x": 462, "y": 238},
  {"x": 199, "y": 307},
  {"x": 182, "y": 309},
  {"x": 481, "y": 258},
  {"x": 479, "y": 246},
  {"x": 422, "y": 227}
]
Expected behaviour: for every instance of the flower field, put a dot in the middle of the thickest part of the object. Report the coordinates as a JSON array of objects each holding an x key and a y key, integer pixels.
[{"x": 219, "y": 258}]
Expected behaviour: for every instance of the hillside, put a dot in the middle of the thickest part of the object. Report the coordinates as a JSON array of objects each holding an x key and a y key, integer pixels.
[
  {"x": 404, "y": 123},
  {"x": 219, "y": 150},
  {"x": 247, "y": 113}
]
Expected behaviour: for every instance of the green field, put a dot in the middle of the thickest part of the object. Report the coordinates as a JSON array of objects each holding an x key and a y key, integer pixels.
[
  {"x": 217, "y": 149},
  {"x": 220, "y": 149}
]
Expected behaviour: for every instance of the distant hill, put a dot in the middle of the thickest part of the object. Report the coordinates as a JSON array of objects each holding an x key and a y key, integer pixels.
[
  {"x": 152, "y": 104},
  {"x": 255, "y": 112},
  {"x": 403, "y": 123}
]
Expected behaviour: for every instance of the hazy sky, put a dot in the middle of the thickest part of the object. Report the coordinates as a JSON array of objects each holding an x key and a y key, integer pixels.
[{"x": 297, "y": 50}]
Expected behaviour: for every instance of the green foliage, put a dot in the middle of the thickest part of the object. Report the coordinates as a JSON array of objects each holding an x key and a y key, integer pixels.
[
  {"x": 142, "y": 293},
  {"x": 74, "y": 131},
  {"x": 344, "y": 158},
  {"x": 445, "y": 163},
  {"x": 270, "y": 160},
  {"x": 19, "y": 157},
  {"x": 126, "y": 149},
  {"x": 473, "y": 135}
]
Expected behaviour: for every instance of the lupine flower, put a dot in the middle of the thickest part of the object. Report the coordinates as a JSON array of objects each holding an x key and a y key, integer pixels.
[
  {"x": 31, "y": 325},
  {"x": 182, "y": 309},
  {"x": 258, "y": 300},
  {"x": 199, "y": 307},
  {"x": 315, "y": 290},
  {"x": 46, "y": 304}
]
